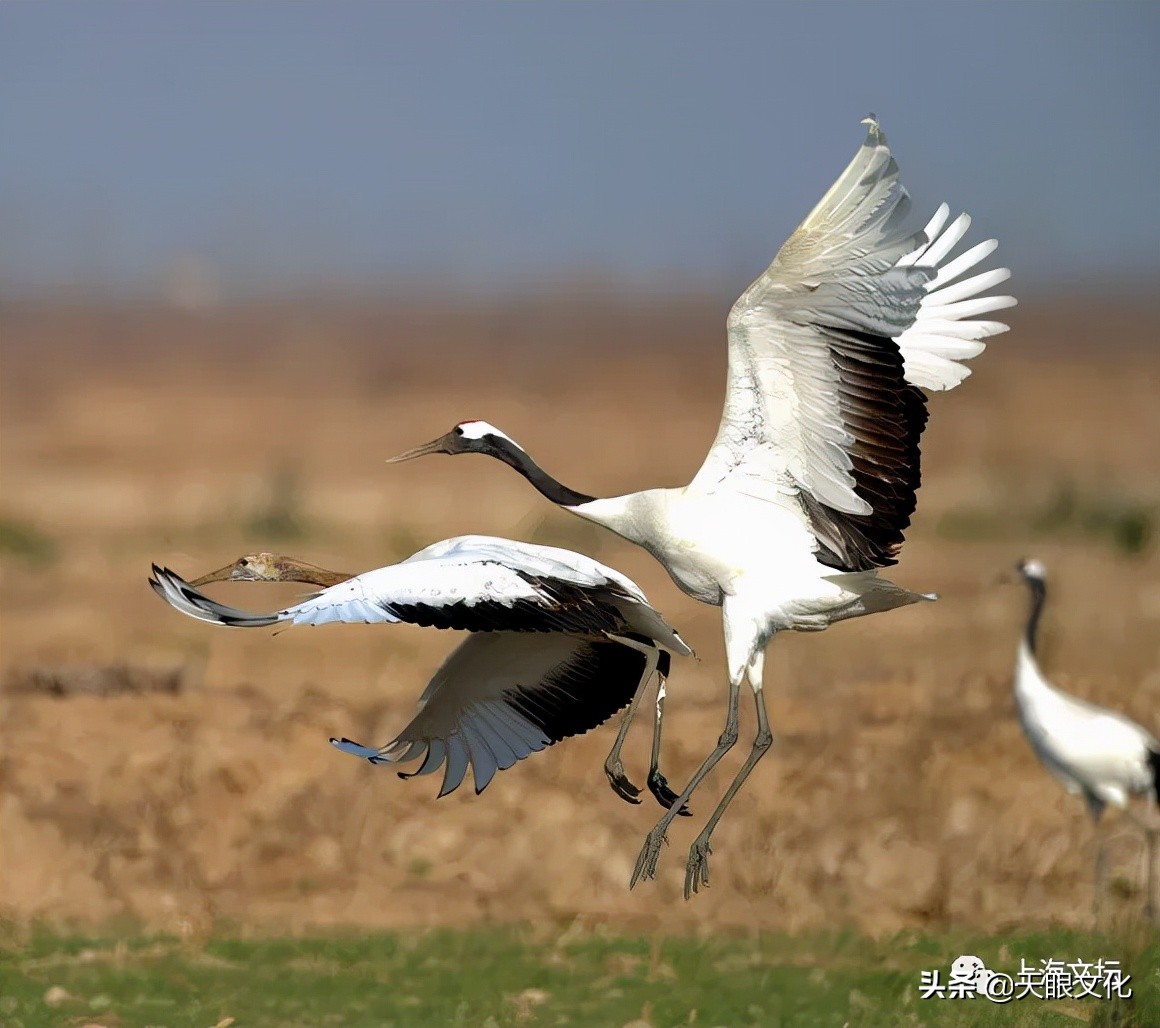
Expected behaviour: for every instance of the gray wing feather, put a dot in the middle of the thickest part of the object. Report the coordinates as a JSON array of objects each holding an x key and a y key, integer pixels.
[
  {"x": 410, "y": 751},
  {"x": 484, "y": 763},
  {"x": 457, "y": 761},
  {"x": 436, "y": 751},
  {"x": 502, "y": 696},
  {"x": 490, "y": 731}
]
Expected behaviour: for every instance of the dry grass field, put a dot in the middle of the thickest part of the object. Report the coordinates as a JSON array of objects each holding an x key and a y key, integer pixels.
[{"x": 156, "y": 771}]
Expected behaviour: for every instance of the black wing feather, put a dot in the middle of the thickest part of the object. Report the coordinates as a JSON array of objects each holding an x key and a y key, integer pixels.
[{"x": 886, "y": 416}]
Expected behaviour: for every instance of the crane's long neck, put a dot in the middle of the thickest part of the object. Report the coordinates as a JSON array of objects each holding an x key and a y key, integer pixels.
[
  {"x": 1038, "y": 596},
  {"x": 290, "y": 569},
  {"x": 324, "y": 578},
  {"x": 625, "y": 515},
  {"x": 541, "y": 481},
  {"x": 1033, "y": 692}
]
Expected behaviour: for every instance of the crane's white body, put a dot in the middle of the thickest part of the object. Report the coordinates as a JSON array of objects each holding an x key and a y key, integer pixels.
[
  {"x": 1094, "y": 753},
  {"x": 754, "y": 559}
]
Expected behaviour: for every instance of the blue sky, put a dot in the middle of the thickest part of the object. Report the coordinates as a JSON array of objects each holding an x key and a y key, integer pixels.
[{"x": 492, "y": 145}]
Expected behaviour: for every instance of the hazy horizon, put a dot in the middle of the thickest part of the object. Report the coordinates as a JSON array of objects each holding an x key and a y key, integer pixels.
[{"x": 239, "y": 149}]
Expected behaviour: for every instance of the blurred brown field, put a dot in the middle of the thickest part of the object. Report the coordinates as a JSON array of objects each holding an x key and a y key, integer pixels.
[{"x": 156, "y": 770}]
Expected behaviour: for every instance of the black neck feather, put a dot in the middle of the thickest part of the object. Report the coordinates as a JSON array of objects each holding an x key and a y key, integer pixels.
[
  {"x": 1038, "y": 596},
  {"x": 544, "y": 483}
]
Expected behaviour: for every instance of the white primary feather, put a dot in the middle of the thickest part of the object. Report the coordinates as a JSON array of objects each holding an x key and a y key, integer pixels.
[{"x": 942, "y": 336}]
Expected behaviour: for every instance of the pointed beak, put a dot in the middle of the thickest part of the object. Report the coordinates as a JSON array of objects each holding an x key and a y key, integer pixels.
[
  {"x": 435, "y": 446},
  {"x": 1007, "y": 577},
  {"x": 221, "y": 575}
]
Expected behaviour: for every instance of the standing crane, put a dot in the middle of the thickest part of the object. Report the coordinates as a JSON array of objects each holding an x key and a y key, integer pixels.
[
  {"x": 811, "y": 480},
  {"x": 560, "y": 643},
  {"x": 1094, "y": 753}
]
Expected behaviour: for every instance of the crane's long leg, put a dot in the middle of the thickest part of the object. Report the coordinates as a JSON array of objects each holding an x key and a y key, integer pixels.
[
  {"x": 658, "y": 785},
  {"x": 613, "y": 766},
  {"x": 697, "y": 868},
  {"x": 1150, "y": 910},
  {"x": 1100, "y": 874},
  {"x": 646, "y": 862}
]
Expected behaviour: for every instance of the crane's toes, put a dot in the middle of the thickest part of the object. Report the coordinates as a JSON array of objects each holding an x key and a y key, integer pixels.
[
  {"x": 697, "y": 869},
  {"x": 646, "y": 862},
  {"x": 620, "y": 783},
  {"x": 658, "y": 785}
]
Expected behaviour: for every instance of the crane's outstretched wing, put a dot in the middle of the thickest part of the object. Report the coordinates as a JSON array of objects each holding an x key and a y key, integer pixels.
[
  {"x": 827, "y": 350},
  {"x": 478, "y": 597},
  {"x": 502, "y": 696},
  {"x": 564, "y": 573},
  {"x": 532, "y": 559},
  {"x": 475, "y": 583}
]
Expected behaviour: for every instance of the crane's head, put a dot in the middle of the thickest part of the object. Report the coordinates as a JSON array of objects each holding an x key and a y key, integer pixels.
[
  {"x": 1031, "y": 570},
  {"x": 466, "y": 437},
  {"x": 259, "y": 567}
]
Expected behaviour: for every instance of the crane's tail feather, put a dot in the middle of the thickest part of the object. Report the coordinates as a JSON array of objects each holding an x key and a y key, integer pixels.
[
  {"x": 182, "y": 596},
  {"x": 1154, "y": 761}
]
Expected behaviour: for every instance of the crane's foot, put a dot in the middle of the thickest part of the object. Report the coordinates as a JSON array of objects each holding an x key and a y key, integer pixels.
[
  {"x": 658, "y": 785},
  {"x": 620, "y": 782},
  {"x": 646, "y": 862},
  {"x": 697, "y": 869}
]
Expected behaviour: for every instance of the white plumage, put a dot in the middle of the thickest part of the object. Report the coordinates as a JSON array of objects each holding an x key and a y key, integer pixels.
[
  {"x": 810, "y": 482},
  {"x": 1095, "y": 753},
  {"x": 564, "y": 643}
]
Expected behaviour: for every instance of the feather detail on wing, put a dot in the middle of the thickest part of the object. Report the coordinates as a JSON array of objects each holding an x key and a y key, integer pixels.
[
  {"x": 474, "y": 583},
  {"x": 945, "y": 330},
  {"x": 502, "y": 696},
  {"x": 531, "y": 559},
  {"x": 481, "y": 597},
  {"x": 826, "y": 350},
  {"x": 183, "y": 597}
]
